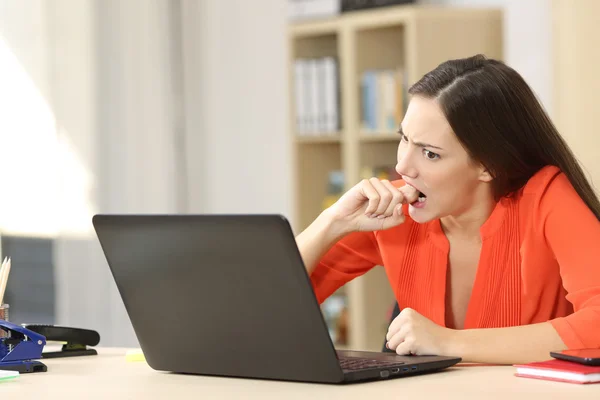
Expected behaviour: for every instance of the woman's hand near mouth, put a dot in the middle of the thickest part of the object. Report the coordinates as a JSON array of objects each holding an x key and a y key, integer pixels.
[{"x": 371, "y": 205}]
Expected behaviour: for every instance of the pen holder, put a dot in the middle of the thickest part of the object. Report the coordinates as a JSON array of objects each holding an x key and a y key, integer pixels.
[{"x": 4, "y": 315}]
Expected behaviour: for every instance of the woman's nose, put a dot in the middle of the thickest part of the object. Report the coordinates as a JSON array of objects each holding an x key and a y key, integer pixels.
[{"x": 404, "y": 167}]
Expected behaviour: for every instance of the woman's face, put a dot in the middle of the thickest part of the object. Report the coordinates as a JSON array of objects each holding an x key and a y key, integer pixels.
[{"x": 432, "y": 160}]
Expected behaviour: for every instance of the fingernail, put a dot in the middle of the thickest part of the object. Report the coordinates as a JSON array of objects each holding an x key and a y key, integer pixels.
[{"x": 381, "y": 216}]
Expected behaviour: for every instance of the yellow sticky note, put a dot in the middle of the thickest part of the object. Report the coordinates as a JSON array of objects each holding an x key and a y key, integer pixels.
[{"x": 135, "y": 355}]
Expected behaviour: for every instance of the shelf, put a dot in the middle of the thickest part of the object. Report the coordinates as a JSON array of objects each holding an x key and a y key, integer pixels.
[
  {"x": 315, "y": 47},
  {"x": 308, "y": 29},
  {"x": 377, "y": 154},
  {"x": 316, "y": 139},
  {"x": 379, "y": 137},
  {"x": 383, "y": 17},
  {"x": 381, "y": 48},
  {"x": 315, "y": 161}
]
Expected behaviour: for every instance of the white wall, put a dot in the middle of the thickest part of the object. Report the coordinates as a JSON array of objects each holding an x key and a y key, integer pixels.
[
  {"x": 238, "y": 106},
  {"x": 114, "y": 100}
]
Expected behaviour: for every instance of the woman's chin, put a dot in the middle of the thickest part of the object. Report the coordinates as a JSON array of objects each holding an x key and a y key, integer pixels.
[{"x": 419, "y": 214}]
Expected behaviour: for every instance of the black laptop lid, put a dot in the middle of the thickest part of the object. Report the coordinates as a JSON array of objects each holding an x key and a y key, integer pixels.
[{"x": 219, "y": 295}]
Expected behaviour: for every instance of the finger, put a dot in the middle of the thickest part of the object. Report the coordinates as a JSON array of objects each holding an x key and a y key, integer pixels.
[
  {"x": 369, "y": 192},
  {"x": 401, "y": 329},
  {"x": 395, "y": 340},
  {"x": 385, "y": 197},
  {"x": 393, "y": 328},
  {"x": 404, "y": 317},
  {"x": 396, "y": 324},
  {"x": 406, "y": 348},
  {"x": 397, "y": 197},
  {"x": 410, "y": 194},
  {"x": 390, "y": 333}
]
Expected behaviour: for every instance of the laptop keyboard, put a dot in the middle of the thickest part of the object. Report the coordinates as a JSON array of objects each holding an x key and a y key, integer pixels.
[{"x": 355, "y": 363}]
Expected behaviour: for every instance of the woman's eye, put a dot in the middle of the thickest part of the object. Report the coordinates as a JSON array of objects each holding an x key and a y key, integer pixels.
[
  {"x": 403, "y": 138},
  {"x": 430, "y": 155}
]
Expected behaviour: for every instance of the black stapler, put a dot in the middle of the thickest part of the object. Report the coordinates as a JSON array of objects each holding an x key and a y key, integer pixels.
[{"x": 76, "y": 339}]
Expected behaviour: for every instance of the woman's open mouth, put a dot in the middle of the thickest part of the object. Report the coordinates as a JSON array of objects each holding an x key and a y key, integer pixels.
[{"x": 421, "y": 201}]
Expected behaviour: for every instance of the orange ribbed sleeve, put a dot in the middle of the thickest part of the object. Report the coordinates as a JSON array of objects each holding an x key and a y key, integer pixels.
[
  {"x": 349, "y": 258},
  {"x": 572, "y": 232}
]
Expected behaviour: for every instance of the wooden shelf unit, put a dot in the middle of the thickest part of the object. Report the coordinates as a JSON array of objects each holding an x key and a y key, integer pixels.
[{"x": 411, "y": 37}]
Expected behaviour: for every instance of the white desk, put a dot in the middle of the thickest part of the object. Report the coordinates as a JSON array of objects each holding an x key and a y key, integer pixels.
[{"x": 109, "y": 376}]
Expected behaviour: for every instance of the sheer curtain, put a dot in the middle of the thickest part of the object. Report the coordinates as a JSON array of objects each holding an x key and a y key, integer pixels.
[
  {"x": 145, "y": 106},
  {"x": 117, "y": 96}
]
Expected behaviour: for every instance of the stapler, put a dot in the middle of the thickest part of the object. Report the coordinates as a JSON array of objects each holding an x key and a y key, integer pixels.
[
  {"x": 20, "y": 349},
  {"x": 76, "y": 340}
]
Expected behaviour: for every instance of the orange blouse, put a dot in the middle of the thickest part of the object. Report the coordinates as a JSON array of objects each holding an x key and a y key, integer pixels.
[{"x": 540, "y": 261}]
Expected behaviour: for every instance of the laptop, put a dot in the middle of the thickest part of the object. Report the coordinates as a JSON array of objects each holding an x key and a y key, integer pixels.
[{"x": 228, "y": 295}]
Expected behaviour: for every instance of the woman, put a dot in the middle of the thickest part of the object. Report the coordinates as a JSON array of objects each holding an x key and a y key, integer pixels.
[{"x": 497, "y": 260}]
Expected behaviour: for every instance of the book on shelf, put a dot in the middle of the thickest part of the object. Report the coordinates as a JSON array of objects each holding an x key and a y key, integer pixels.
[
  {"x": 299, "y": 10},
  {"x": 559, "y": 370},
  {"x": 357, "y": 5},
  {"x": 316, "y": 93},
  {"x": 313, "y": 9},
  {"x": 383, "y": 100}
]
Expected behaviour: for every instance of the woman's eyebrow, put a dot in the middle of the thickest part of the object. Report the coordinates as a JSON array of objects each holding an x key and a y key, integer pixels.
[{"x": 419, "y": 144}]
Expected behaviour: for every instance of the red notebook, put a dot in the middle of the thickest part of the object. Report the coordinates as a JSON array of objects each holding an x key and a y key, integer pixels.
[{"x": 559, "y": 370}]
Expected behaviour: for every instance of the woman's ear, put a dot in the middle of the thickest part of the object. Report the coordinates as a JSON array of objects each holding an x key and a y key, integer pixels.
[{"x": 485, "y": 176}]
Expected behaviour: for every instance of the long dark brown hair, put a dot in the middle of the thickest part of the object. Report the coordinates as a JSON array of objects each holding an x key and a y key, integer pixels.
[{"x": 501, "y": 124}]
